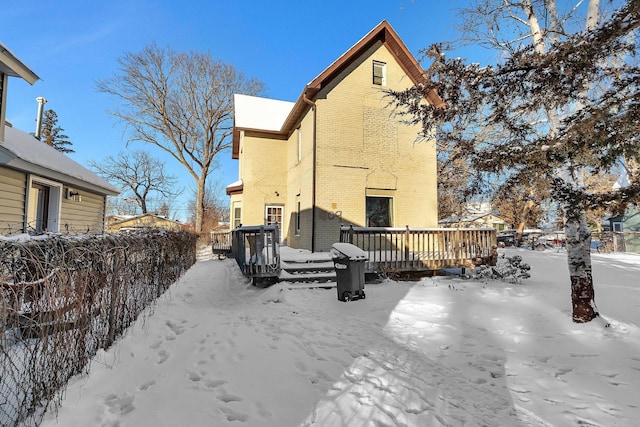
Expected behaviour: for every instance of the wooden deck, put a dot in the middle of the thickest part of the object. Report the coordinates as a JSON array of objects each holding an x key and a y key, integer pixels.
[
  {"x": 257, "y": 251},
  {"x": 420, "y": 249}
]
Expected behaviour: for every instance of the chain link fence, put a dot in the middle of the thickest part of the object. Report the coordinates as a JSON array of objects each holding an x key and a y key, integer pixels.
[{"x": 63, "y": 298}]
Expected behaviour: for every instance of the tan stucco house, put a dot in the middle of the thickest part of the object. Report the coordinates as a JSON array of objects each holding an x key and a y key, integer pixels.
[
  {"x": 336, "y": 156},
  {"x": 41, "y": 189}
]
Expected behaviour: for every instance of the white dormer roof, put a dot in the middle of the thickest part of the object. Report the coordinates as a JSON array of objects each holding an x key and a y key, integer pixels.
[{"x": 253, "y": 112}]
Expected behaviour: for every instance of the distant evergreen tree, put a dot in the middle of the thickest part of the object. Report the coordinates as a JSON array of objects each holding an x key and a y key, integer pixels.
[{"x": 52, "y": 134}]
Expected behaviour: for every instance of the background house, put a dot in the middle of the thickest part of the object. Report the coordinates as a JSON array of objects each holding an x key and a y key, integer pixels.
[
  {"x": 479, "y": 215},
  {"x": 336, "y": 155},
  {"x": 141, "y": 222},
  {"x": 474, "y": 220},
  {"x": 41, "y": 189}
]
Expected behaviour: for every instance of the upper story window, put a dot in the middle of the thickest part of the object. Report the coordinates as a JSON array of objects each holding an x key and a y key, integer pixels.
[{"x": 379, "y": 73}]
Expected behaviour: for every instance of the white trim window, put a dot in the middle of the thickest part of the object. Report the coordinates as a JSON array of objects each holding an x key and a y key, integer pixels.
[
  {"x": 237, "y": 215},
  {"x": 44, "y": 199},
  {"x": 273, "y": 214},
  {"x": 379, "y": 73}
]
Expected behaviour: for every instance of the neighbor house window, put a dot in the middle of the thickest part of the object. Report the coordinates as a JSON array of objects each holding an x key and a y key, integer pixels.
[
  {"x": 379, "y": 73},
  {"x": 379, "y": 212},
  {"x": 237, "y": 211},
  {"x": 43, "y": 205}
]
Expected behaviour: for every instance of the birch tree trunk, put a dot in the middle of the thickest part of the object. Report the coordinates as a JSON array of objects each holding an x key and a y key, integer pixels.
[{"x": 578, "y": 236}]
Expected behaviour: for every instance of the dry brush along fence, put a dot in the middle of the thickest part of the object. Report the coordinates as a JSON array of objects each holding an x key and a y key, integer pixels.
[{"x": 64, "y": 298}]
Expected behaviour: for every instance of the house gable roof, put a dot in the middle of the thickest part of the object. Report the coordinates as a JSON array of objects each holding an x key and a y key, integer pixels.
[
  {"x": 22, "y": 151},
  {"x": 12, "y": 66},
  {"x": 383, "y": 33}
]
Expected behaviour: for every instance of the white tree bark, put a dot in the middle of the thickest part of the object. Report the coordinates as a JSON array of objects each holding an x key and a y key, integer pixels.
[{"x": 577, "y": 233}]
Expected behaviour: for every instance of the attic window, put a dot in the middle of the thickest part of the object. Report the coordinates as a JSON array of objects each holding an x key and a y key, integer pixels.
[{"x": 379, "y": 73}]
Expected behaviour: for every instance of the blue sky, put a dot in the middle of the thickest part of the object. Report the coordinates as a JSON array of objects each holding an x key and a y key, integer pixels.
[{"x": 72, "y": 44}]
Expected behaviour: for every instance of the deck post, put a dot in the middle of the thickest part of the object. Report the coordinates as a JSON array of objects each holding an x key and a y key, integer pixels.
[
  {"x": 406, "y": 247},
  {"x": 259, "y": 248}
]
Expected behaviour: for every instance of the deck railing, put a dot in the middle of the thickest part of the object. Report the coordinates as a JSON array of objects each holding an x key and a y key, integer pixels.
[
  {"x": 220, "y": 242},
  {"x": 256, "y": 249},
  {"x": 405, "y": 249}
]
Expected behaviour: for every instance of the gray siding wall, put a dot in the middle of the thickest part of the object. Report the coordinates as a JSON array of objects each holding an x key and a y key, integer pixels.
[
  {"x": 12, "y": 201},
  {"x": 86, "y": 216}
]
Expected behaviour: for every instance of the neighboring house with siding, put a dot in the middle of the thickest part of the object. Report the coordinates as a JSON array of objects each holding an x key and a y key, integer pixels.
[
  {"x": 336, "y": 155},
  {"x": 41, "y": 189},
  {"x": 629, "y": 222}
]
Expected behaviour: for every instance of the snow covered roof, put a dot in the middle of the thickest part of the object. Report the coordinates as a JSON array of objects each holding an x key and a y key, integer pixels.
[
  {"x": 469, "y": 218},
  {"x": 235, "y": 187},
  {"x": 24, "y": 152},
  {"x": 126, "y": 218},
  {"x": 253, "y": 112},
  {"x": 621, "y": 182}
]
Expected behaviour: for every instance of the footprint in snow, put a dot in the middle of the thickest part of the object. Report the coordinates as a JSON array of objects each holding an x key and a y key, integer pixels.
[
  {"x": 162, "y": 356},
  {"x": 211, "y": 383},
  {"x": 262, "y": 411},
  {"x": 120, "y": 405},
  {"x": 146, "y": 385},
  {"x": 233, "y": 415},
  {"x": 227, "y": 398},
  {"x": 194, "y": 376},
  {"x": 174, "y": 327}
]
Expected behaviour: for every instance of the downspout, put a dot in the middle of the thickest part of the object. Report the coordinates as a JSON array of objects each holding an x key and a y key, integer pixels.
[{"x": 313, "y": 172}]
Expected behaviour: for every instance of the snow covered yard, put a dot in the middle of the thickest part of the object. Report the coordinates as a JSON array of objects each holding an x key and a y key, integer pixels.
[{"x": 443, "y": 351}]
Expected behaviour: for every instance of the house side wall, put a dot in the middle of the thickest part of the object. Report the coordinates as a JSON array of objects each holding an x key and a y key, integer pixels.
[
  {"x": 85, "y": 216},
  {"x": 300, "y": 183},
  {"x": 363, "y": 151},
  {"x": 12, "y": 201},
  {"x": 263, "y": 173}
]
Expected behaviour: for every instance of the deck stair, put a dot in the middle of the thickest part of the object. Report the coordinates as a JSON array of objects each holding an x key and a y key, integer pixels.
[{"x": 306, "y": 267}]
